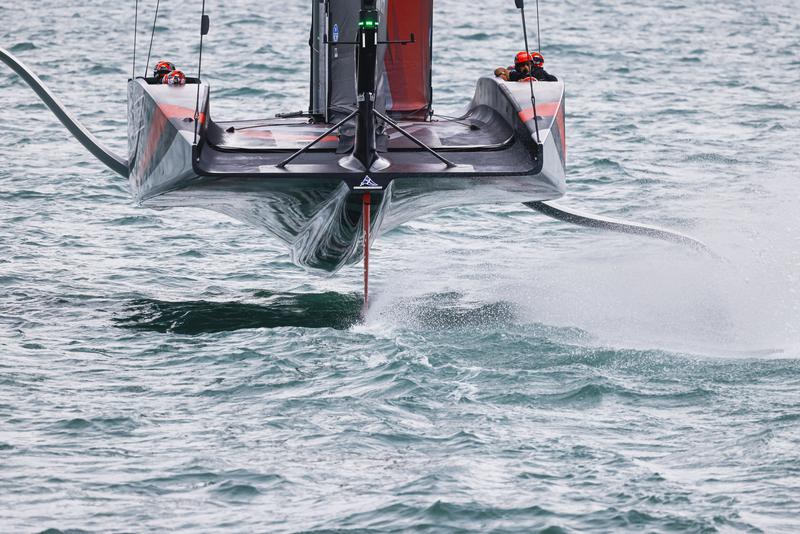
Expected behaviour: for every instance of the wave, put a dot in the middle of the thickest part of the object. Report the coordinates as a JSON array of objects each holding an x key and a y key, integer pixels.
[{"x": 23, "y": 47}]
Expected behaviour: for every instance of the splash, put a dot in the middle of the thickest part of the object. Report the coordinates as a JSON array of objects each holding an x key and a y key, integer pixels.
[{"x": 623, "y": 291}]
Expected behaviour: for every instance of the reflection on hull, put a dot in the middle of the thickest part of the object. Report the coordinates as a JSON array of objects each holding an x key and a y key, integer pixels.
[{"x": 320, "y": 221}]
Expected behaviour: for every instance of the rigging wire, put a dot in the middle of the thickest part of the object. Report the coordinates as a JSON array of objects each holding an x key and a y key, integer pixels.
[
  {"x": 530, "y": 78},
  {"x": 267, "y": 124},
  {"x": 538, "y": 28},
  {"x": 152, "y": 34},
  {"x": 199, "y": 71},
  {"x": 135, "y": 32},
  {"x": 448, "y": 118}
]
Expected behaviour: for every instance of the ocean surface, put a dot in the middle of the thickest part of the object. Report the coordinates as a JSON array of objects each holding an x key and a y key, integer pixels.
[{"x": 173, "y": 371}]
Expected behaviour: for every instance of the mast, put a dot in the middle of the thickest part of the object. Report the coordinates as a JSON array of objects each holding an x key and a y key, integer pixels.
[
  {"x": 363, "y": 18},
  {"x": 366, "y": 58},
  {"x": 365, "y": 156}
]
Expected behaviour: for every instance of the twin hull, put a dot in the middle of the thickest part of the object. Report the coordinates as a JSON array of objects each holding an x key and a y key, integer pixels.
[{"x": 314, "y": 206}]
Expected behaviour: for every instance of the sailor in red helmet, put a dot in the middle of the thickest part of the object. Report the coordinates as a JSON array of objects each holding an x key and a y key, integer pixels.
[
  {"x": 161, "y": 69},
  {"x": 526, "y": 65},
  {"x": 538, "y": 72},
  {"x": 521, "y": 69},
  {"x": 175, "y": 77}
]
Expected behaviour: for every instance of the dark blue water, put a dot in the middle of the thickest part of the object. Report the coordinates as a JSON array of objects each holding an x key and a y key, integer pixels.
[{"x": 173, "y": 371}]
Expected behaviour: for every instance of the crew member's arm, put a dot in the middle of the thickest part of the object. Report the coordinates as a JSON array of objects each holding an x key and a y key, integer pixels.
[
  {"x": 547, "y": 77},
  {"x": 500, "y": 72}
]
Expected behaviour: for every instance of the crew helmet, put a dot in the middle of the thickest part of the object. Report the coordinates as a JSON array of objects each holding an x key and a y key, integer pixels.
[
  {"x": 175, "y": 77},
  {"x": 522, "y": 58},
  {"x": 162, "y": 68}
]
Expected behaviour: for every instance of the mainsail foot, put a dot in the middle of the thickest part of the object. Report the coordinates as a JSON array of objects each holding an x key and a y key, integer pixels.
[{"x": 615, "y": 225}]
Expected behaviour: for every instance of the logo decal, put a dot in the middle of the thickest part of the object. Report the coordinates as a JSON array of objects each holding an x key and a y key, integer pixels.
[
  {"x": 368, "y": 183},
  {"x": 335, "y": 33}
]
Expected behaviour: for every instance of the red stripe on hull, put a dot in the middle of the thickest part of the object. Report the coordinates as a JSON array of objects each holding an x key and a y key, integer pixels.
[
  {"x": 172, "y": 111},
  {"x": 154, "y": 136},
  {"x": 543, "y": 109}
]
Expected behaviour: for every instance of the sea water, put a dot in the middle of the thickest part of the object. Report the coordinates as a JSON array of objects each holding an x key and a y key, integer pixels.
[{"x": 172, "y": 370}]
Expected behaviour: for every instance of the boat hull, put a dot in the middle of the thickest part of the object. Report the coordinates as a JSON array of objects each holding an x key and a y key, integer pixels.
[{"x": 314, "y": 205}]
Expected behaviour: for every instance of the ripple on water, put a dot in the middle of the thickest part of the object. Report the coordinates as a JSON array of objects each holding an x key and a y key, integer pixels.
[
  {"x": 105, "y": 425},
  {"x": 22, "y": 47}
]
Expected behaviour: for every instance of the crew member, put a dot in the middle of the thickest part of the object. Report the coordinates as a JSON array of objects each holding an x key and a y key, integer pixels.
[
  {"x": 538, "y": 71},
  {"x": 528, "y": 65},
  {"x": 161, "y": 69},
  {"x": 522, "y": 67},
  {"x": 175, "y": 77}
]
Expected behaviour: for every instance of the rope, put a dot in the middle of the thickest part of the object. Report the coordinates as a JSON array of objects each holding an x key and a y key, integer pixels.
[
  {"x": 448, "y": 118},
  {"x": 152, "y": 34},
  {"x": 135, "y": 32},
  {"x": 266, "y": 124},
  {"x": 199, "y": 71}
]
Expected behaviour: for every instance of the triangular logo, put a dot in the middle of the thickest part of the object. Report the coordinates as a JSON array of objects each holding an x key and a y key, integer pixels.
[{"x": 368, "y": 182}]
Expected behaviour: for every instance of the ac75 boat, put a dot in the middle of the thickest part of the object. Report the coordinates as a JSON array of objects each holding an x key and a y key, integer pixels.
[{"x": 367, "y": 156}]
